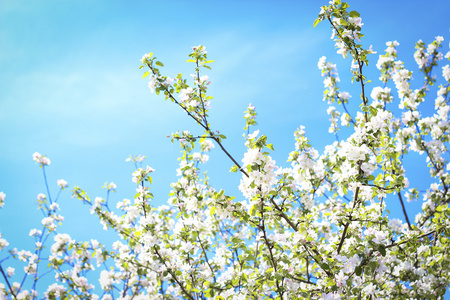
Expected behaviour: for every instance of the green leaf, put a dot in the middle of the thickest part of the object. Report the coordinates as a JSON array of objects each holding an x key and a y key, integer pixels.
[
  {"x": 270, "y": 146},
  {"x": 234, "y": 168},
  {"x": 379, "y": 158},
  {"x": 145, "y": 74},
  {"x": 235, "y": 281},
  {"x": 191, "y": 60},
  {"x": 358, "y": 270},
  {"x": 354, "y": 14},
  {"x": 253, "y": 209},
  {"x": 331, "y": 282},
  {"x": 213, "y": 210},
  {"x": 158, "y": 63}
]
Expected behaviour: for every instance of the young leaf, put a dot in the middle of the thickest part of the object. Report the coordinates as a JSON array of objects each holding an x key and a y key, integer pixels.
[{"x": 317, "y": 21}]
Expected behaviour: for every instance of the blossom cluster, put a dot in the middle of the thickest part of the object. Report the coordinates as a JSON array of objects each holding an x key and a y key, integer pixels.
[{"x": 316, "y": 228}]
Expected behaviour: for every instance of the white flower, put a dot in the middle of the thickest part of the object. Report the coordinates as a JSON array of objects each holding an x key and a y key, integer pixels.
[
  {"x": 422, "y": 249},
  {"x": 446, "y": 72},
  {"x": 201, "y": 48},
  {"x": 3, "y": 244},
  {"x": 185, "y": 94},
  {"x": 395, "y": 225},
  {"x": 35, "y": 232},
  {"x": 145, "y": 57},
  {"x": 168, "y": 81},
  {"x": 62, "y": 183},
  {"x": 354, "y": 153},
  {"x": 43, "y": 160},
  {"x": 370, "y": 289},
  {"x": 200, "y": 157},
  {"x": 253, "y": 156},
  {"x": 111, "y": 186},
  {"x": 153, "y": 82},
  {"x": 207, "y": 145},
  {"x": 56, "y": 290},
  {"x": 140, "y": 174},
  {"x": 253, "y": 135},
  {"x": 344, "y": 95},
  {"x": 204, "y": 79},
  {"x": 54, "y": 206},
  {"x": 322, "y": 63}
]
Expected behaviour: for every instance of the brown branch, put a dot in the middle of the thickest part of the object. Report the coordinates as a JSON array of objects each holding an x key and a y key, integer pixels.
[
  {"x": 173, "y": 275},
  {"x": 302, "y": 280},
  {"x": 360, "y": 65},
  {"x": 405, "y": 241},
  {"x": 200, "y": 94},
  {"x": 206, "y": 256},
  {"x": 283, "y": 215},
  {"x": 229, "y": 155},
  {"x": 272, "y": 259},
  {"x": 341, "y": 242},
  {"x": 205, "y": 126},
  {"x": 7, "y": 282},
  {"x": 404, "y": 210}
]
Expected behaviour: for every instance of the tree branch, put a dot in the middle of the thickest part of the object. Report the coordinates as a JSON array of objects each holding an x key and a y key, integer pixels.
[
  {"x": 7, "y": 282},
  {"x": 404, "y": 210},
  {"x": 173, "y": 275}
]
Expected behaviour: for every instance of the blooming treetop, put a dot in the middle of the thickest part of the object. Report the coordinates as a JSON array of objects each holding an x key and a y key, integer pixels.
[{"x": 315, "y": 229}]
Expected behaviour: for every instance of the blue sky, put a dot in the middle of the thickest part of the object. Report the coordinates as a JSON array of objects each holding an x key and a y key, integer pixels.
[{"x": 71, "y": 89}]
